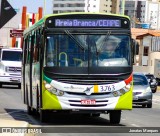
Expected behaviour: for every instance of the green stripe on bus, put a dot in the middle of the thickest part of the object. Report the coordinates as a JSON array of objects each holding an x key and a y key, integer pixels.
[
  {"x": 48, "y": 80},
  {"x": 125, "y": 101}
]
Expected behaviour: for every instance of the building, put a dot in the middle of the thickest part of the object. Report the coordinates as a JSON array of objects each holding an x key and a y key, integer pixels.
[
  {"x": 5, "y": 39},
  {"x": 9, "y": 39},
  {"x": 143, "y": 13},
  {"x": 107, "y": 6},
  {"x": 148, "y": 50}
]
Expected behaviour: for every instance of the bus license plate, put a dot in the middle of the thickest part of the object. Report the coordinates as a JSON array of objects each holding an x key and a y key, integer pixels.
[{"x": 88, "y": 102}]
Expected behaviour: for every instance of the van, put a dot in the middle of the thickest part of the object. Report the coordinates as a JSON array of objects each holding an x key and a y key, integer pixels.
[{"x": 10, "y": 66}]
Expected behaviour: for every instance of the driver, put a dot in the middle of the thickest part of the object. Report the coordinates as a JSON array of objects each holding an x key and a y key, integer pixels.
[{"x": 109, "y": 46}]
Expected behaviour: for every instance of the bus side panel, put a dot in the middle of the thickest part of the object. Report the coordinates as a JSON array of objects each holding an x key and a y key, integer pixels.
[
  {"x": 48, "y": 99},
  {"x": 125, "y": 101},
  {"x": 35, "y": 83},
  {"x": 27, "y": 85}
]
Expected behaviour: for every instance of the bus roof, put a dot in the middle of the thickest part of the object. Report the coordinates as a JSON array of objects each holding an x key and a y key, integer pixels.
[{"x": 42, "y": 20}]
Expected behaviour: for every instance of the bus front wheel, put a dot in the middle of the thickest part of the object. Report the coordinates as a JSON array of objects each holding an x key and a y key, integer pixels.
[
  {"x": 31, "y": 111},
  {"x": 115, "y": 116},
  {"x": 43, "y": 116}
]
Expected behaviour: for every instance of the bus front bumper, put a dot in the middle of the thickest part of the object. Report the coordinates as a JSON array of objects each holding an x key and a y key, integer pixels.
[{"x": 84, "y": 102}]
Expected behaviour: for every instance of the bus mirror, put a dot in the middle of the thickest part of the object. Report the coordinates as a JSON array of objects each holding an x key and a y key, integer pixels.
[{"x": 135, "y": 49}]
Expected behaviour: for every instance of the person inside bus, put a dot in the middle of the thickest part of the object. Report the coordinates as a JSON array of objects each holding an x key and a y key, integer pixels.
[{"x": 108, "y": 48}]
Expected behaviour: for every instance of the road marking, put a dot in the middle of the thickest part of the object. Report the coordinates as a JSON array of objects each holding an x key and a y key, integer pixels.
[
  {"x": 135, "y": 125},
  {"x": 8, "y": 113}
]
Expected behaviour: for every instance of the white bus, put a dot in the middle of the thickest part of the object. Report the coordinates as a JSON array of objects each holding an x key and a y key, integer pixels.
[{"x": 65, "y": 68}]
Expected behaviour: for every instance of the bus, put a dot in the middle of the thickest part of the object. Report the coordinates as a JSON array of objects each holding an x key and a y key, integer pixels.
[{"x": 64, "y": 68}]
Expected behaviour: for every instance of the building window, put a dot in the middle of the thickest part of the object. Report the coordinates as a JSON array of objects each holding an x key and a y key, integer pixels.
[{"x": 145, "y": 51}]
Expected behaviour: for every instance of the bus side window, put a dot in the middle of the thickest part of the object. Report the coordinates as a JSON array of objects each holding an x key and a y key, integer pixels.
[
  {"x": 36, "y": 47},
  {"x": 24, "y": 50},
  {"x": 27, "y": 50},
  {"x": 50, "y": 56}
]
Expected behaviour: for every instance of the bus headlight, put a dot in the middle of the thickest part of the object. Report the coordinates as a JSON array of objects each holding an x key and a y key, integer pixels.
[
  {"x": 121, "y": 91},
  {"x": 60, "y": 93},
  {"x": 115, "y": 94},
  {"x": 53, "y": 90},
  {"x": 48, "y": 86}
]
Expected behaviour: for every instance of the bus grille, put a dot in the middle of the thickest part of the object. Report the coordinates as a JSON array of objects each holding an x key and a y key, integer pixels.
[
  {"x": 83, "y": 94},
  {"x": 87, "y": 82}
]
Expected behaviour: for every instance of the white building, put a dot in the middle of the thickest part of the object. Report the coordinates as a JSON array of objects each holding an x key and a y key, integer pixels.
[
  {"x": 5, "y": 39},
  {"x": 107, "y": 6},
  {"x": 144, "y": 12}
]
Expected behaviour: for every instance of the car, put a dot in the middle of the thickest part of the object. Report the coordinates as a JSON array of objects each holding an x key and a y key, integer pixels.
[
  {"x": 142, "y": 93},
  {"x": 152, "y": 81}
]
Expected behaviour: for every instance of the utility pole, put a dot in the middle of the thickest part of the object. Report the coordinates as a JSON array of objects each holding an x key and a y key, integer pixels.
[{"x": 122, "y": 7}]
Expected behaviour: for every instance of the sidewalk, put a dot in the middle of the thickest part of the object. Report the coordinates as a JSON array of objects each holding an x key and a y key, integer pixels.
[{"x": 6, "y": 125}]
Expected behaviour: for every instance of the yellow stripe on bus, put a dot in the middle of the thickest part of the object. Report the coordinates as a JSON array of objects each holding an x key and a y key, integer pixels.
[{"x": 95, "y": 88}]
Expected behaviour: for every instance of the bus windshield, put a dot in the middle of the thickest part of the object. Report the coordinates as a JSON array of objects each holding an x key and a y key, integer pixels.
[{"x": 87, "y": 50}]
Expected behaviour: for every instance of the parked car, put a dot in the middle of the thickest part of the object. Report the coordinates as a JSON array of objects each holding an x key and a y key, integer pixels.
[
  {"x": 152, "y": 81},
  {"x": 142, "y": 93}
]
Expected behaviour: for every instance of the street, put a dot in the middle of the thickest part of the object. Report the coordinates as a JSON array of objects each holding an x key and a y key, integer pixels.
[{"x": 12, "y": 107}]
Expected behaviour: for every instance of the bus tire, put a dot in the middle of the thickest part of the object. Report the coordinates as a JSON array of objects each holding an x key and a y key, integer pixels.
[
  {"x": 43, "y": 116},
  {"x": 0, "y": 85},
  {"x": 96, "y": 114},
  {"x": 115, "y": 116},
  {"x": 29, "y": 110}
]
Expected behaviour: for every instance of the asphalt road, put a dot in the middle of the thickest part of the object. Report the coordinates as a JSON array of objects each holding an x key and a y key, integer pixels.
[{"x": 12, "y": 107}]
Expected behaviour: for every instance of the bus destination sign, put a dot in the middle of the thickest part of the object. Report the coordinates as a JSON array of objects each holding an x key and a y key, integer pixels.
[{"x": 88, "y": 23}]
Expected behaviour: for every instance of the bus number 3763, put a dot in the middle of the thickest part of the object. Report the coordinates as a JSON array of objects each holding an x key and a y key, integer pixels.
[{"x": 107, "y": 88}]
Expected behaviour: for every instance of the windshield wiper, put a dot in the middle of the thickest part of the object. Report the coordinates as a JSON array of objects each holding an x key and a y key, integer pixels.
[
  {"x": 74, "y": 39},
  {"x": 105, "y": 39}
]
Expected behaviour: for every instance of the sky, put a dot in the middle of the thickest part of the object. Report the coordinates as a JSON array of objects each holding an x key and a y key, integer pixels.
[{"x": 32, "y": 5}]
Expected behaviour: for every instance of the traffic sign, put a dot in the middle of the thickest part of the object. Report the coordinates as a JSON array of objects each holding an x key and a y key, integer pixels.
[
  {"x": 6, "y": 12},
  {"x": 16, "y": 33}
]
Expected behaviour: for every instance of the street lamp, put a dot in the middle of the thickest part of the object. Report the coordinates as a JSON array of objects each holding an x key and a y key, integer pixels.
[{"x": 44, "y": 8}]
